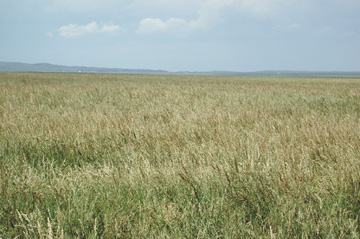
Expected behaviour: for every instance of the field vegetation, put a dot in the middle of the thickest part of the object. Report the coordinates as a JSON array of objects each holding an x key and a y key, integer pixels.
[{"x": 170, "y": 156}]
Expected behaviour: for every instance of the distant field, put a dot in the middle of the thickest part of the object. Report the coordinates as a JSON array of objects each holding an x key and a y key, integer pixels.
[{"x": 170, "y": 156}]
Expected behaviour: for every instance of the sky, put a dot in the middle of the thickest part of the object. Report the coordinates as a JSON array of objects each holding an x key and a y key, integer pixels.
[{"x": 184, "y": 35}]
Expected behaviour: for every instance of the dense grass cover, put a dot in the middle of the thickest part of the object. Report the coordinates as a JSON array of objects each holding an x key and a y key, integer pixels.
[{"x": 166, "y": 156}]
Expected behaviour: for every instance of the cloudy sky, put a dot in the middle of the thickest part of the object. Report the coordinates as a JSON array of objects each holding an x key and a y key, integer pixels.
[{"x": 184, "y": 35}]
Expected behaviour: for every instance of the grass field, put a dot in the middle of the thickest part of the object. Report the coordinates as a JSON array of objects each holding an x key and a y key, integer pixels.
[{"x": 170, "y": 156}]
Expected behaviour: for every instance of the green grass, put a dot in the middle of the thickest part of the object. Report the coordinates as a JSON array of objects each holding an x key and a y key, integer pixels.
[{"x": 169, "y": 156}]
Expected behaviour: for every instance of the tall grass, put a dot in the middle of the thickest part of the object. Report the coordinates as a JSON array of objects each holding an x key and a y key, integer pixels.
[{"x": 167, "y": 156}]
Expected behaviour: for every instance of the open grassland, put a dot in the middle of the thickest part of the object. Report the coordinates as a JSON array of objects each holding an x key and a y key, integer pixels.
[{"x": 166, "y": 156}]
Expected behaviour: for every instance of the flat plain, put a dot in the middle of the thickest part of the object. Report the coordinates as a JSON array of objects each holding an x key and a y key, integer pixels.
[{"x": 178, "y": 156}]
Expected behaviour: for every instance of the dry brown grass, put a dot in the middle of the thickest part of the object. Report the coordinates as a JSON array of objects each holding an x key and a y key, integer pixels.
[{"x": 123, "y": 156}]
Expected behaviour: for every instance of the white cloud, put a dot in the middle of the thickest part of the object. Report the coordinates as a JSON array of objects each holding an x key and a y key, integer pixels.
[
  {"x": 207, "y": 14},
  {"x": 156, "y": 25},
  {"x": 74, "y": 30},
  {"x": 174, "y": 26},
  {"x": 110, "y": 28},
  {"x": 210, "y": 12}
]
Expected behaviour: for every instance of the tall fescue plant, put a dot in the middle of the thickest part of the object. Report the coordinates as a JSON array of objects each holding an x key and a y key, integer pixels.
[{"x": 171, "y": 156}]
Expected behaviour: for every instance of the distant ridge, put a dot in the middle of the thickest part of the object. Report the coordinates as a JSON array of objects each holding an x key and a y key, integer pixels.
[
  {"x": 46, "y": 67},
  {"x": 293, "y": 73}
]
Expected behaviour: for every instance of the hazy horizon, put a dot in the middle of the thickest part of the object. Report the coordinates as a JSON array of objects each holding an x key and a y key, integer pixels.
[{"x": 183, "y": 35}]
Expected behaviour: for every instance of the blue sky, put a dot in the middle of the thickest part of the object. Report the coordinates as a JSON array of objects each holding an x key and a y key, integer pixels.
[{"x": 184, "y": 35}]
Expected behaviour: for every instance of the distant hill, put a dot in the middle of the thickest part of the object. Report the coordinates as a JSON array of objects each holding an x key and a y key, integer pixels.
[
  {"x": 292, "y": 73},
  {"x": 46, "y": 67}
]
